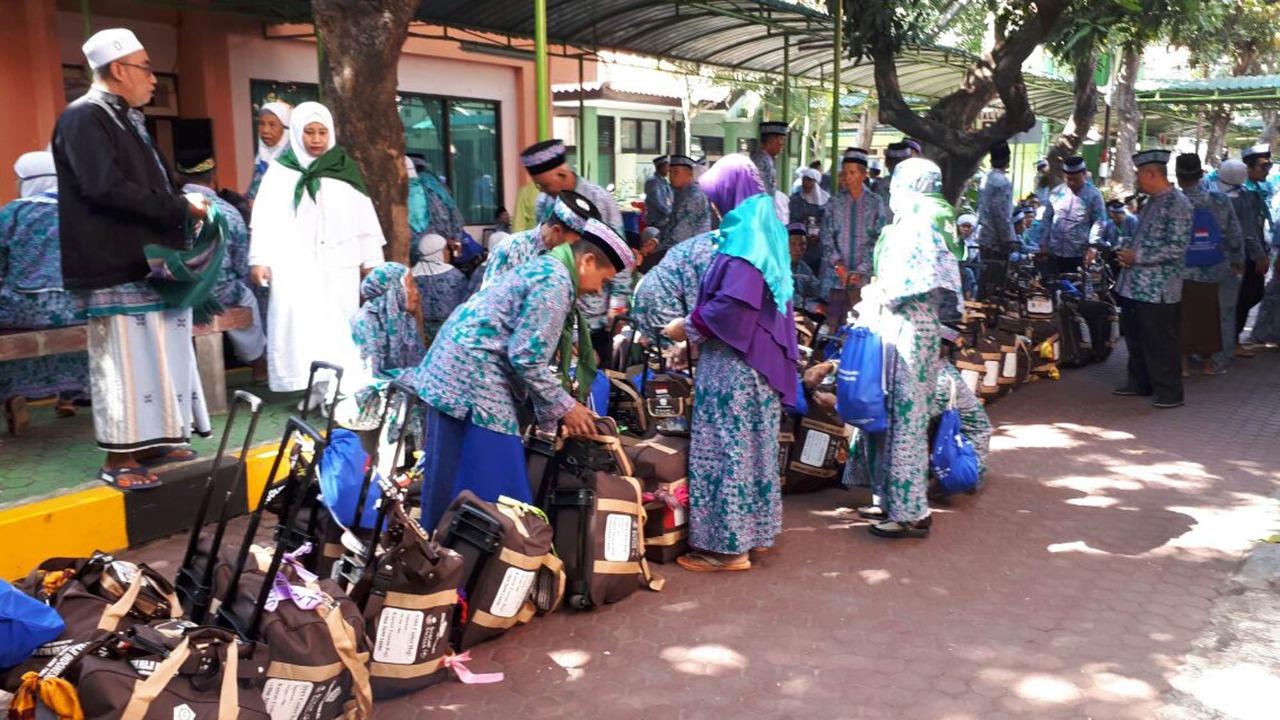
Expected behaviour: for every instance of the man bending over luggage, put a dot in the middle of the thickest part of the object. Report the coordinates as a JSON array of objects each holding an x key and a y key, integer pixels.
[{"x": 495, "y": 351}]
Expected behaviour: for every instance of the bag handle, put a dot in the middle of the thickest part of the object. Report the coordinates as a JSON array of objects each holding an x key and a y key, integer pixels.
[
  {"x": 344, "y": 643},
  {"x": 116, "y": 611},
  {"x": 146, "y": 691},
  {"x": 229, "y": 697}
]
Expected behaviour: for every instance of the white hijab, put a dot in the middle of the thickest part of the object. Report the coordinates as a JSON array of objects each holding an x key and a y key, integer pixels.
[
  {"x": 818, "y": 196},
  {"x": 431, "y": 253},
  {"x": 35, "y": 173},
  {"x": 267, "y": 153},
  {"x": 304, "y": 115}
]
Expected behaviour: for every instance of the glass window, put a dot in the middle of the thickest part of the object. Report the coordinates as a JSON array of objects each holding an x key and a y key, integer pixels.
[
  {"x": 605, "y": 135},
  {"x": 474, "y": 175},
  {"x": 424, "y": 130},
  {"x": 641, "y": 136}
]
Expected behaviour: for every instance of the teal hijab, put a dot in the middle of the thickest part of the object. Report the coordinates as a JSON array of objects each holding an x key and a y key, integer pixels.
[{"x": 753, "y": 232}]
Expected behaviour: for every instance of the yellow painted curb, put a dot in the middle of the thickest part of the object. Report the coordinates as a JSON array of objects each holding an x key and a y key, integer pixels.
[{"x": 66, "y": 526}]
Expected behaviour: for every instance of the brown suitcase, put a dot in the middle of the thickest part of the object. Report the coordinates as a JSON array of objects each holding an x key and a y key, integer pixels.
[
  {"x": 510, "y": 572},
  {"x": 660, "y": 459},
  {"x": 409, "y": 601},
  {"x": 174, "y": 671},
  {"x": 819, "y": 453},
  {"x": 662, "y": 464}
]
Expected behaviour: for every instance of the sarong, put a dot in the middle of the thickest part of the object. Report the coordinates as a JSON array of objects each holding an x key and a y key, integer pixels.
[
  {"x": 1201, "y": 319},
  {"x": 146, "y": 389}
]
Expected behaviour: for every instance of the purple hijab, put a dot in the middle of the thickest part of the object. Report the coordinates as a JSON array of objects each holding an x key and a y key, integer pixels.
[{"x": 731, "y": 180}]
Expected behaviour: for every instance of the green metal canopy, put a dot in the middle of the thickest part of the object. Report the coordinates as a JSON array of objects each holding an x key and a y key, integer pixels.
[{"x": 1245, "y": 90}]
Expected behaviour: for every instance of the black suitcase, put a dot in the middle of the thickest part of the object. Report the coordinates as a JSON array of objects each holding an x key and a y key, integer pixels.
[
  {"x": 1076, "y": 338},
  {"x": 1103, "y": 320}
]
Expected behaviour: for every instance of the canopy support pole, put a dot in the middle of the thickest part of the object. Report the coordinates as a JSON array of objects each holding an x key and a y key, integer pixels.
[
  {"x": 86, "y": 17},
  {"x": 786, "y": 111},
  {"x": 582, "y": 115},
  {"x": 541, "y": 72},
  {"x": 838, "y": 43}
]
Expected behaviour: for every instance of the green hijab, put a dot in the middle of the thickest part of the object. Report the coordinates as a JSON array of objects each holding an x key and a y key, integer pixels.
[{"x": 586, "y": 372}]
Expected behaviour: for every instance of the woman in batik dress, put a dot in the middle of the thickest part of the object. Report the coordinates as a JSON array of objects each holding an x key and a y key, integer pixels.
[
  {"x": 31, "y": 294},
  {"x": 915, "y": 273},
  {"x": 743, "y": 326},
  {"x": 441, "y": 286}
]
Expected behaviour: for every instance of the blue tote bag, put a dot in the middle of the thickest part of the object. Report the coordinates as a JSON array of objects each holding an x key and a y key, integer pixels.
[{"x": 860, "y": 396}]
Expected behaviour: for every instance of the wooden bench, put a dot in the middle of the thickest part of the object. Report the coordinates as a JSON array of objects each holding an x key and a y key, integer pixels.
[{"x": 24, "y": 344}]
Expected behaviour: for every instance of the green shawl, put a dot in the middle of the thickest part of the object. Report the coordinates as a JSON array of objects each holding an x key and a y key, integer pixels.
[
  {"x": 336, "y": 164},
  {"x": 187, "y": 278},
  {"x": 586, "y": 372}
]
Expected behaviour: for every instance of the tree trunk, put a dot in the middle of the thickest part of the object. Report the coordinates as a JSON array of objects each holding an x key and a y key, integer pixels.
[
  {"x": 947, "y": 129},
  {"x": 1219, "y": 119},
  {"x": 1082, "y": 116},
  {"x": 1124, "y": 100},
  {"x": 362, "y": 42},
  {"x": 1270, "y": 121}
]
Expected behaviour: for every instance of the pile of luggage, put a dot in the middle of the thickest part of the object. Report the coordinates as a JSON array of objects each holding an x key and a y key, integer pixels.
[
  {"x": 348, "y": 599},
  {"x": 1035, "y": 325}
]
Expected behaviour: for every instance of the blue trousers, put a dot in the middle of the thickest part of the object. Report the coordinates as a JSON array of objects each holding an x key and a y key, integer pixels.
[{"x": 458, "y": 455}]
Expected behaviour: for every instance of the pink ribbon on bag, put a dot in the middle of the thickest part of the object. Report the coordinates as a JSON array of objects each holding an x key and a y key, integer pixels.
[
  {"x": 455, "y": 663},
  {"x": 679, "y": 498}
]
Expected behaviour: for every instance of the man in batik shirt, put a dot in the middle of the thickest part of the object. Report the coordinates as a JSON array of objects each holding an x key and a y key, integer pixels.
[
  {"x": 690, "y": 209},
  {"x": 1150, "y": 284},
  {"x": 850, "y": 229},
  {"x": 773, "y": 135},
  {"x": 1074, "y": 218}
]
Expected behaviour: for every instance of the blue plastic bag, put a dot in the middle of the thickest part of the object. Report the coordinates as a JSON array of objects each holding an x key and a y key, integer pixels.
[
  {"x": 342, "y": 469},
  {"x": 25, "y": 624},
  {"x": 860, "y": 398},
  {"x": 954, "y": 461},
  {"x": 600, "y": 394}
]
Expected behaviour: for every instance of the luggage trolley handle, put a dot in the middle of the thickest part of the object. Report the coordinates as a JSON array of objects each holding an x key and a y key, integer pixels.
[
  {"x": 295, "y": 426},
  {"x": 199, "y": 589},
  {"x": 337, "y": 371},
  {"x": 411, "y": 402}
]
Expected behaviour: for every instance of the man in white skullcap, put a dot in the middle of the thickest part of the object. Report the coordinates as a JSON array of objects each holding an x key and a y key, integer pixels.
[{"x": 115, "y": 197}]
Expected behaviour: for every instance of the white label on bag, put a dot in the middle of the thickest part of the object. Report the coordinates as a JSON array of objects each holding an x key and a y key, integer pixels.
[
  {"x": 514, "y": 590},
  {"x": 1057, "y": 351},
  {"x": 1010, "y": 365},
  {"x": 286, "y": 699},
  {"x": 1040, "y": 306},
  {"x": 970, "y": 378},
  {"x": 814, "y": 453},
  {"x": 679, "y": 515},
  {"x": 399, "y": 636},
  {"x": 1115, "y": 330},
  {"x": 619, "y": 533},
  {"x": 992, "y": 376}
]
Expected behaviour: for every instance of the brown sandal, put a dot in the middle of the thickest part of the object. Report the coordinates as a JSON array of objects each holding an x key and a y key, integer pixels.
[
  {"x": 16, "y": 416},
  {"x": 700, "y": 562}
]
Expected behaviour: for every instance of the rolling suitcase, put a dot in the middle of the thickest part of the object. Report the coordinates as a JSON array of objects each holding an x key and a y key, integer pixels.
[
  {"x": 661, "y": 465},
  {"x": 314, "y": 633},
  {"x": 194, "y": 583},
  {"x": 509, "y": 570},
  {"x": 820, "y": 450}
]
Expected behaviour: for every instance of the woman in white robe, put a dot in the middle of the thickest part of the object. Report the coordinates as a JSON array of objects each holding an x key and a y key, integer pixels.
[{"x": 314, "y": 231}]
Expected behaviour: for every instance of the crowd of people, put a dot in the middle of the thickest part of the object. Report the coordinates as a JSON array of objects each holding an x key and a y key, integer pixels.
[{"x": 496, "y": 337}]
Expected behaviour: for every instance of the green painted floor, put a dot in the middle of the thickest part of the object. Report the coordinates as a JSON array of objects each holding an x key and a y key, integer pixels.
[{"x": 58, "y": 455}]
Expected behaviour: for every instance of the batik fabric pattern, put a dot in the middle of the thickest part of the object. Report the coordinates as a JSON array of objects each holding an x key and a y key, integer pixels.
[{"x": 495, "y": 351}]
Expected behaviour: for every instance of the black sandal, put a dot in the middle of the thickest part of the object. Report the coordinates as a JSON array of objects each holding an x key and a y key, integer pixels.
[{"x": 918, "y": 529}]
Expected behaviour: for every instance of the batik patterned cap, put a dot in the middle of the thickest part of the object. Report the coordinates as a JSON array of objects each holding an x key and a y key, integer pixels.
[
  {"x": 574, "y": 211},
  {"x": 1073, "y": 165},
  {"x": 856, "y": 155},
  {"x": 1256, "y": 151},
  {"x": 1115, "y": 205},
  {"x": 897, "y": 151},
  {"x": 683, "y": 161},
  {"x": 661, "y": 160},
  {"x": 604, "y": 237},
  {"x": 1042, "y": 164},
  {"x": 1147, "y": 157},
  {"x": 773, "y": 128},
  {"x": 544, "y": 156}
]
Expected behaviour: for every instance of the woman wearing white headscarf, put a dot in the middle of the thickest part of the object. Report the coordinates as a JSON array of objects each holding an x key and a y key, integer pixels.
[
  {"x": 273, "y": 139},
  {"x": 314, "y": 229},
  {"x": 441, "y": 286},
  {"x": 808, "y": 206}
]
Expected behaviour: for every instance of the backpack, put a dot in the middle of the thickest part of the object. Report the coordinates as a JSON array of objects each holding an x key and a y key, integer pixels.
[
  {"x": 1205, "y": 247},
  {"x": 860, "y": 397}
]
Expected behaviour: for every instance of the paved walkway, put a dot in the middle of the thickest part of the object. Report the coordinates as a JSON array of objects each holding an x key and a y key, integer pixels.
[{"x": 1073, "y": 586}]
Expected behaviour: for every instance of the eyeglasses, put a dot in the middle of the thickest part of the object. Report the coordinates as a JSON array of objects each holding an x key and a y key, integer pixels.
[{"x": 145, "y": 67}]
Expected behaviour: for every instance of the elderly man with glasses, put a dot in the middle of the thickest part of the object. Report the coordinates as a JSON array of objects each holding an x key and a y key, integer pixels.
[{"x": 115, "y": 197}]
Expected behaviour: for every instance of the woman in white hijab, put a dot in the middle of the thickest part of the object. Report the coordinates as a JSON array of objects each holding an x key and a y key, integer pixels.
[
  {"x": 314, "y": 230},
  {"x": 273, "y": 139},
  {"x": 36, "y": 174},
  {"x": 441, "y": 286}
]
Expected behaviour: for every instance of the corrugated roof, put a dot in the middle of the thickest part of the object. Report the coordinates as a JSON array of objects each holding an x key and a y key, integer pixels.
[{"x": 1243, "y": 90}]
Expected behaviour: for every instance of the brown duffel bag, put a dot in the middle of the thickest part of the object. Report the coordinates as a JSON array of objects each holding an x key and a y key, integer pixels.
[
  {"x": 510, "y": 570},
  {"x": 660, "y": 459},
  {"x": 174, "y": 671},
  {"x": 409, "y": 595},
  {"x": 819, "y": 453},
  {"x": 318, "y": 650},
  {"x": 93, "y": 594}
]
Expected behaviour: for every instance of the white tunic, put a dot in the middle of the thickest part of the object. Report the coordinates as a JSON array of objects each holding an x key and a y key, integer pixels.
[{"x": 315, "y": 255}]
